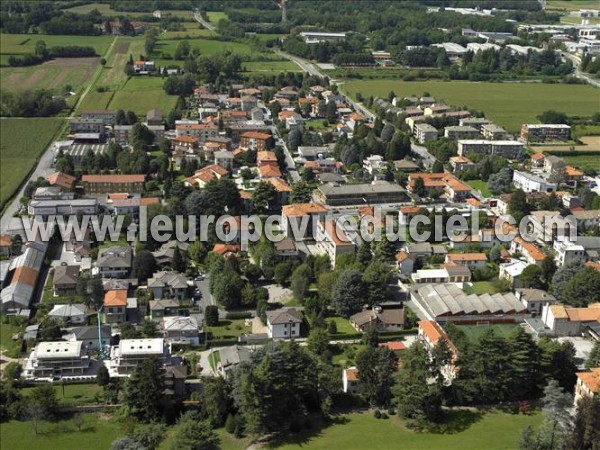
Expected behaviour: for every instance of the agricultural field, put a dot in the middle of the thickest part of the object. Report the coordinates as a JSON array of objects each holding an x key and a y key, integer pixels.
[
  {"x": 192, "y": 30},
  {"x": 106, "y": 10},
  {"x": 98, "y": 433},
  {"x": 589, "y": 144},
  {"x": 508, "y": 104},
  {"x": 572, "y": 5},
  {"x": 18, "y": 44},
  {"x": 55, "y": 74},
  {"x": 141, "y": 94},
  {"x": 20, "y": 148},
  {"x": 464, "y": 430},
  {"x": 584, "y": 161},
  {"x": 205, "y": 46}
]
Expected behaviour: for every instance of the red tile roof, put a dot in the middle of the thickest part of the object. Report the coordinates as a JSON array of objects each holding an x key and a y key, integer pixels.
[
  {"x": 117, "y": 297},
  {"x": 113, "y": 178}
]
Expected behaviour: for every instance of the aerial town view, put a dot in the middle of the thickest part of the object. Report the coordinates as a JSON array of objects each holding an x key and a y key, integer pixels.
[{"x": 300, "y": 224}]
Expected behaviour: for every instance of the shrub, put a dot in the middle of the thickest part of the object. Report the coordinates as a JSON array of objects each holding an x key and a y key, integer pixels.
[
  {"x": 238, "y": 315},
  {"x": 377, "y": 414}
]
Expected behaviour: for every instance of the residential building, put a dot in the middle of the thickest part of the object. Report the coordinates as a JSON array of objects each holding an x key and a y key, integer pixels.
[
  {"x": 88, "y": 335},
  {"x": 333, "y": 240},
  {"x": 131, "y": 352},
  {"x": 202, "y": 131},
  {"x": 314, "y": 37},
  {"x": 284, "y": 323},
  {"x": 115, "y": 306},
  {"x": 62, "y": 207},
  {"x": 529, "y": 182},
  {"x": 449, "y": 303},
  {"x": 471, "y": 260},
  {"x": 406, "y": 165},
  {"x": 115, "y": 262},
  {"x": 123, "y": 134},
  {"x": 538, "y": 159},
  {"x": 350, "y": 380},
  {"x": 584, "y": 248},
  {"x": 511, "y": 271},
  {"x": 431, "y": 334},
  {"x": 69, "y": 313},
  {"x": 205, "y": 175},
  {"x": 164, "y": 255},
  {"x": 314, "y": 153},
  {"x": 506, "y": 149},
  {"x": 461, "y": 132},
  {"x": 165, "y": 307},
  {"x": 255, "y": 140},
  {"x": 230, "y": 357},
  {"x": 175, "y": 380},
  {"x": 446, "y": 183},
  {"x": 385, "y": 318},
  {"x": 493, "y": 132},
  {"x": 299, "y": 220},
  {"x": 107, "y": 116},
  {"x": 358, "y": 194},
  {"x": 545, "y": 132},
  {"x": 405, "y": 262},
  {"x": 566, "y": 321},
  {"x": 374, "y": 164},
  {"x": 181, "y": 330},
  {"x": 64, "y": 280},
  {"x": 82, "y": 125},
  {"x": 475, "y": 122},
  {"x": 531, "y": 253},
  {"x": 535, "y": 299},
  {"x": 61, "y": 180},
  {"x": 224, "y": 159},
  {"x": 57, "y": 359},
  {"x": 588, "y": 384},
  {"x": 105, "y": 184},
  {"x": 425, "y": 132},
  {"x": 460, "y": 163},
  {"x": 168, "y": 285}
]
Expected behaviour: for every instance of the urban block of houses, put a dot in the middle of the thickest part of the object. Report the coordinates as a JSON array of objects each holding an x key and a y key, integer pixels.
[
  {"x": 530, "y": 251},
  {"x": 205, "y": 175},
  {"x": 449, "y": 303},
  {"x": 381, "y": 317},
  {"x": 567, "y": 321},
  {"x": 284, "y": 323}
]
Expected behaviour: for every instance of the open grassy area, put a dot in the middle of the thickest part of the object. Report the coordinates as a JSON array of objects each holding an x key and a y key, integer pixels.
[
  {"x": 467, "y": 431},
  {"x": 474, "y": 332},
  {"x": 572, "y": 5},
  {"x": 98, "y": 434},
  {"x": 229, "y": 329},
  {"x": 481, "y": 186},
  {"x": 74, "y": 394},
  {"x": 22, "y": 141},
  {"x": 584, "y": 161},
  {"x": 343, "y": 325},
  {"x": 205, "y": 46},
  {"x": 270, "y": 66},
  {"x": 18, "y": 44},
  {"x": 192, "y": 29},
  {"x": 215, "y": 16},
  {"x": 7, "y": 331},
  {"x": 141, "y": 94},
  {"x": 508, "y": 104}
]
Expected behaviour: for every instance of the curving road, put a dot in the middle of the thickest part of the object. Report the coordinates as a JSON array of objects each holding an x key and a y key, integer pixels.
[
  {"x": 578, "y": 73},
  {"x": 198, "y": 17}
]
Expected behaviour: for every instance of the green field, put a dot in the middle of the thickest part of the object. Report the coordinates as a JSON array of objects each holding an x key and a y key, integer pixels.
[
  {"x": 474, "y": 332},
  {"x": 61, "y": 434},
  {"x": 494, "y": 430},
  {"x": 229, "y": 329},
  {"x": 215, "y": 16},
  {"x": 106, "y": 10},
  {"x": 141, "y": 94},
  {"x": 20, "y": 148},
  {"x": 18, "y": 44},
  {"x": 481, "y": 186},
  {"x": 267, "y": 36},
  {"x": 192, "y": 29},
  {"x": 206, "y": 47},
  {"x": 584, "y": 161},
  {"x": 74, "y": 394},
  {"x": 572, "y": 5},
  {"x": 508, "y": 104},
  {"x": 7, "y": 331},
  {"x": 271, "y": 66}
]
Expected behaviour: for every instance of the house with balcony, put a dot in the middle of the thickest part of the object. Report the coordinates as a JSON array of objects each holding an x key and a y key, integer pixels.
[
  {"x": 130, "y": 353},
  {"x": 115, "y": 262},
  {"x": 57, "y": 359},
  {"x": 115, "y": 306},
  {"x": 181, "y": 330},
  {"x": 168, "y": 284},
  {"x": 284, "y": 323}
]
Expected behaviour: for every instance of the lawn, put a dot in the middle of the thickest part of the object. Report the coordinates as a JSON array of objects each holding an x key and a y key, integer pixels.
[
  {"x": 508, "y": 104},
  {"x": 215, "y": 16},
  {"x": 61, "y": 434},
  {"x": 494, "y": 430},
  {"x": 584, "y": 161},
  {"x": 141, "y": 94},
  {"x": 22, "y": 141},
  {"x": 75, "y": 394},
  {"x": 271, "y": 66},
  {"x": 18, "y": 44},
  {"x": 474, "y": 332},
  {"x": 483, "y": 287},
  {"x": 343, "y": 325},
  {"x": 205, "y": 46},
  {"x": 7, "y": 331},
  {"x": 572, "y": 5},
  {"x": 229, "y": 329},
  {"x": 481, "y": 186}
]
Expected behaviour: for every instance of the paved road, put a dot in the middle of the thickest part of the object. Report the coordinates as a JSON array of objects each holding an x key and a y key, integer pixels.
[
  {"x": 198, "y": 17},
  {"x": 578, "y": 73}
]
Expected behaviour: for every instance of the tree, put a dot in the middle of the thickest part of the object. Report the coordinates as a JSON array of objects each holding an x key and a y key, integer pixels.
[
  {"x": 532, "y": 277},
  {"x": 549, "y": 268},
  {"x": 149, "y": 436},
  {"x": 525, "y": 364},
  {"x": 419, "y": 187},
  {"x": 376, "y": 366},
  {"x": 585, "y": 433},
  {"x": 144, "y": 265},
  {"x": 283, "y": 272},
  {"x": 301, "y": 281},
  {"x": 552, "y": 116},
  {"x": 141, "y": 137},
  {"x": 182, "y": 50},
  {"x": 517, "y": 206},
  {"x": 294, "y": 139},
  {"x": 143, "y": 390},
  {"x": 370, "y": 337},
  {"x": 132, "y": 118},
  {"x": 178, "y": 261},
  {"x": 102, "y": 376},
  {"x": 348, "y": 293},
  {"x": 398, "y": 147},
  {"x": 385, "y": 250},
  {"x": 377, "y": 276},
  {"x": 264, "y": 197},
  {"x": 215, "y": 401},
  {"x": 149, "y": 328},
  {"x": 499, "y": 182},
  {"x": 252, "y": 272},
  {"x": 211, "y": 315},
  {"x": 318, "y": 341},
  {"x": 583, "y": 288},
  {"x": 593, "y": 359},
  {"x": 332, "y": 327},
  {"x": 562, "y": 276},
  {"x": 556, "y": 404},
  {"x": 301, "y": 192},
  {"x": 227, "y": 288},
  {"x": 387, "y": 132},
  {"x": 191, "y": 434}
]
